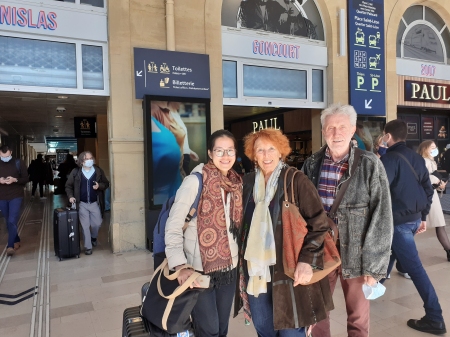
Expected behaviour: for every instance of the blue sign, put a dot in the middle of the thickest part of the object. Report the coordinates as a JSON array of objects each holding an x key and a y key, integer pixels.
[
  {"x": 170, "y": 73},
  {"x": 367, "y": 88}
]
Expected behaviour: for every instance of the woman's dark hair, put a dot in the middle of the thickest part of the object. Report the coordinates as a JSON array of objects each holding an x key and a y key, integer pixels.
[
  {"x": 219, "y": 134},
  {"x": 69, "y": 159}
]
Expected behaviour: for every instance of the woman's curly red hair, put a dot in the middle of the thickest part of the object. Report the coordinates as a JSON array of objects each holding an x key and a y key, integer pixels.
[{"x": 276, "y": 137}]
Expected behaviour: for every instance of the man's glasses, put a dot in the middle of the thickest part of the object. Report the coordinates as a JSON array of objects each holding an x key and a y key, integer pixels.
[{"x": 220, "y": 152}]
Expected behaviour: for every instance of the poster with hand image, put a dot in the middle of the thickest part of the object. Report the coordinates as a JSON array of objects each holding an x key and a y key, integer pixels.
[{"x": 175, "y": 142}]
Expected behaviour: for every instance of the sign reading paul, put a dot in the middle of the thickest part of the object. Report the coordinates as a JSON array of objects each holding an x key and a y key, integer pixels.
[
  {"x": 169, "y": 73},
  {"x": 366, "y": 56}
]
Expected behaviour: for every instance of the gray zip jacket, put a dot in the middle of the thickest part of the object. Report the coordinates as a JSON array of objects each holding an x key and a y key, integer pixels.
[{"x": 364, "y": 216}]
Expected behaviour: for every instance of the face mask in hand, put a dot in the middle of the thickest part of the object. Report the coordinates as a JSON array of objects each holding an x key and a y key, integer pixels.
[
  {"x": 88, "y": 163},
  {"x": 434, "y": 152},
  {"x": 374, "y": 292},
  {"x": 6, "y": 159}
]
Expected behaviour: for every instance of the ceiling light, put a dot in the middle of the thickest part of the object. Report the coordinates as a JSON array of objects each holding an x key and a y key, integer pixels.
[
  {"x": 63, "y": 97},
  {"x": 58, "y": 116}
]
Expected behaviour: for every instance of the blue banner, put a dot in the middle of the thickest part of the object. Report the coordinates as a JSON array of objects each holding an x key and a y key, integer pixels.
[
  {"x": 366, "y": 40},
  {"x": 170, "y": 73}
]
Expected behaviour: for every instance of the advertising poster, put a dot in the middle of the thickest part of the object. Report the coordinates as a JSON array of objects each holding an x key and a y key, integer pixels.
[
  {"x": 412, "y": 124},
  {"x": 427, "y": 128},
  {"x": 85, "y": 127},
  {"x": 175, "y": 140},
  {"x": 442, "y": 128}
]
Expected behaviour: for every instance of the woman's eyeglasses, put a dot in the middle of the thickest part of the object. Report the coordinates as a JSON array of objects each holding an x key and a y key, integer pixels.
[{"x": 220, "y": 152}]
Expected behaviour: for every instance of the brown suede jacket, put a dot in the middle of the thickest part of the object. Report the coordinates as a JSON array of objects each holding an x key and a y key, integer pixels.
[{"x": 299, "y": 306}]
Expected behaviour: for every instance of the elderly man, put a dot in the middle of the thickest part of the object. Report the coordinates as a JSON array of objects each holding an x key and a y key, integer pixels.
[{"x": 364, "y": 216}]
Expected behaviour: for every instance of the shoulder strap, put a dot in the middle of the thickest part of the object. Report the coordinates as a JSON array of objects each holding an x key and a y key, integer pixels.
[
  {"x": 341, "y": 192},
  {"x": 193, "y": 211},
  {"x": 409, "y": 164}
]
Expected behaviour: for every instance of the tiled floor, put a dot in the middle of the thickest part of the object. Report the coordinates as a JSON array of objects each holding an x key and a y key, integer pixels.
[{"x": 87, "y": 296}]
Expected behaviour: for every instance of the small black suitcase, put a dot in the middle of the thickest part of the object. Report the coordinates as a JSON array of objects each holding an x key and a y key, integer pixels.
[
  {"x": 133, "y": 324},
  {"x": 66, "y": 234}
]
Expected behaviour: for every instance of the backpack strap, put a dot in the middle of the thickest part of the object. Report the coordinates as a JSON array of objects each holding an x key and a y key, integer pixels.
[{"x": 193, "y": 211}]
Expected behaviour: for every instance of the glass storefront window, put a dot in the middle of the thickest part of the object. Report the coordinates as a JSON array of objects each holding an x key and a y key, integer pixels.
[
  {"x": 92, "y": 58},
  {"x": 400, "y": 32},
  {"x": 229, "y": 74},
  {"x": 423, "y": 43},
  {"x": 37, "y": 63},
  {"x": 274, "y": 82},
  {"x": 413, "y": 13},
  {"x": 317, "y": 85},
  {"x": 95, "y": 3}
]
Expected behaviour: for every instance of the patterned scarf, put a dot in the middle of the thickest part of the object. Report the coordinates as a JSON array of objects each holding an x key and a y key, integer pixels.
[
  {"x": 211, "y": 224},
  {"x": 260, "y": 253}
]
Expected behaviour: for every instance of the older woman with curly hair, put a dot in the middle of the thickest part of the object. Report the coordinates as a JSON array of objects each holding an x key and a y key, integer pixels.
[{"x": 278, "y": 305}]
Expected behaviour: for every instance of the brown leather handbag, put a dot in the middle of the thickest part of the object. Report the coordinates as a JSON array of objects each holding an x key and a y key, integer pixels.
[{"x": 294, "y": 230}]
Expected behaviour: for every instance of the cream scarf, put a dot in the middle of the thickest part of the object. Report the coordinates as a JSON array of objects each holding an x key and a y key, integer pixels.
[{"x": 260, "y": 252}]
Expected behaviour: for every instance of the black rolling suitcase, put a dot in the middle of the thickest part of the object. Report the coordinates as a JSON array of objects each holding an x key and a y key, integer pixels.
[
  {"x": 66, "y": 234},
  {"x": 133, "y": 324}
]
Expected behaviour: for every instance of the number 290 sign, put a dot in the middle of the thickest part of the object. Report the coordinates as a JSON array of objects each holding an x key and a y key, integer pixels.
[{"x": 366, "y": 56}]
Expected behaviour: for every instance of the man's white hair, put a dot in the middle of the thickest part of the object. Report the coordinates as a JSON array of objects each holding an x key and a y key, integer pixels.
[{"x": 339, "y": 109}]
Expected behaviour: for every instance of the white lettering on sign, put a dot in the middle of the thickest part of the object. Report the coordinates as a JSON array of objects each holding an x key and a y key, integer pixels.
[
  {"x": 276, "y": 49},
  {"x": 264, "y": 124}
]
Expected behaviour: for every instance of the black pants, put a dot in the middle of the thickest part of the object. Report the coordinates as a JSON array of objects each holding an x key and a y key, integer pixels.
[{"x": 41, "y": 187}]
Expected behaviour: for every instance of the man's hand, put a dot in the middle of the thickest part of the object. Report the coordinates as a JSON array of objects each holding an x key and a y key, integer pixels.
[
  {"x": 95, "y": 187},
  {"x": 2, "y": 180},
  {"x": 303, "y": 273},
  {"x": 72, "y": 200},
  {"x": 422, "y": 228},
  {"x": 9, "y": 180},
  {"x": 369, "y": 280}
]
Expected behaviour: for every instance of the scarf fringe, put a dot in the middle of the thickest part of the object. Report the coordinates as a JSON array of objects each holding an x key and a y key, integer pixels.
[
  {"x": 234, "y": 229},
  {"x": 221, "y": 277}
]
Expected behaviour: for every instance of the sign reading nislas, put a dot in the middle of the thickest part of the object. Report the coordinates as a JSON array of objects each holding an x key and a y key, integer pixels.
[
  {"x": 417, "y": 91},
  {"x": 23, "y": 17}
]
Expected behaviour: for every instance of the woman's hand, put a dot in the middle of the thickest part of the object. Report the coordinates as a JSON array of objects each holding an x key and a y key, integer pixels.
[
  {"x": 442, "y": 185},
  {"x": 178, "y": 132},
  {"x": 184, "y": 275},
  {"x": 303, "y": 273}
]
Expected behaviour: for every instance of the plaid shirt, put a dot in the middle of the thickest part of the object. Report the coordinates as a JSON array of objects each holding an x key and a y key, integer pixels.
[{"x": 330, "y": 175}]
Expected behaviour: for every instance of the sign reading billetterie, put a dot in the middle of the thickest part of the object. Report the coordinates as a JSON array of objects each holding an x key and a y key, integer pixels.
[
  {"x": 366, "y": 56},
  {"x": 169, "y": 73}
]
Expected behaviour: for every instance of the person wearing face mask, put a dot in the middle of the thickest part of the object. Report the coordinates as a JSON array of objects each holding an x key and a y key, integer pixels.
[
  {"x": 411, "y": 195},
  {"x": 435, "y": 218},
  {"x": 380, "y": 146},
  {"x": 13, "y": 177},
  {"x": 85, "y": 187}
]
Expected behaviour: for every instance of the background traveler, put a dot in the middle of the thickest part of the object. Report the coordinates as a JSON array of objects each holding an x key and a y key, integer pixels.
[
  {"x": 85, "y": 187},
  {"x": 64, "y": 170},
  {"x": 265, "y": 291},
  {"x": 209, "y": 242},
  {"x": 13, "y": 177},
  {"x": 445, "y": 160},
  {"x": 364, "y": 217},
  {"x": 435, "y": 218},
  {"x": 412, "y": 194},
  {"x": 38, "y": 173}
]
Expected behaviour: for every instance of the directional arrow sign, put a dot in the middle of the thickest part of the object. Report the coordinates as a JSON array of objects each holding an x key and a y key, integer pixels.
[
  {"x": 367, "y": 104},
  {"x": 139, "y": 73}
]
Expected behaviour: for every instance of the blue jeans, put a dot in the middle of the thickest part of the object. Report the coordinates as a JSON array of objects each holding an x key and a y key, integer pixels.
[
  {"x": 405, "y": 252},
  {"x": 211, "y": 313},
  {"x": 262, "y": 309},
  {"x": 11, "y": 211}
]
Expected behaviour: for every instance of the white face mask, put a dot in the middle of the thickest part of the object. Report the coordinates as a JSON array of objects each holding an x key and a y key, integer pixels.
[
  {"x": 6, "y": 159},
  {"x": 89, "y": 162},
  {"x": 434, "y": 152}
]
